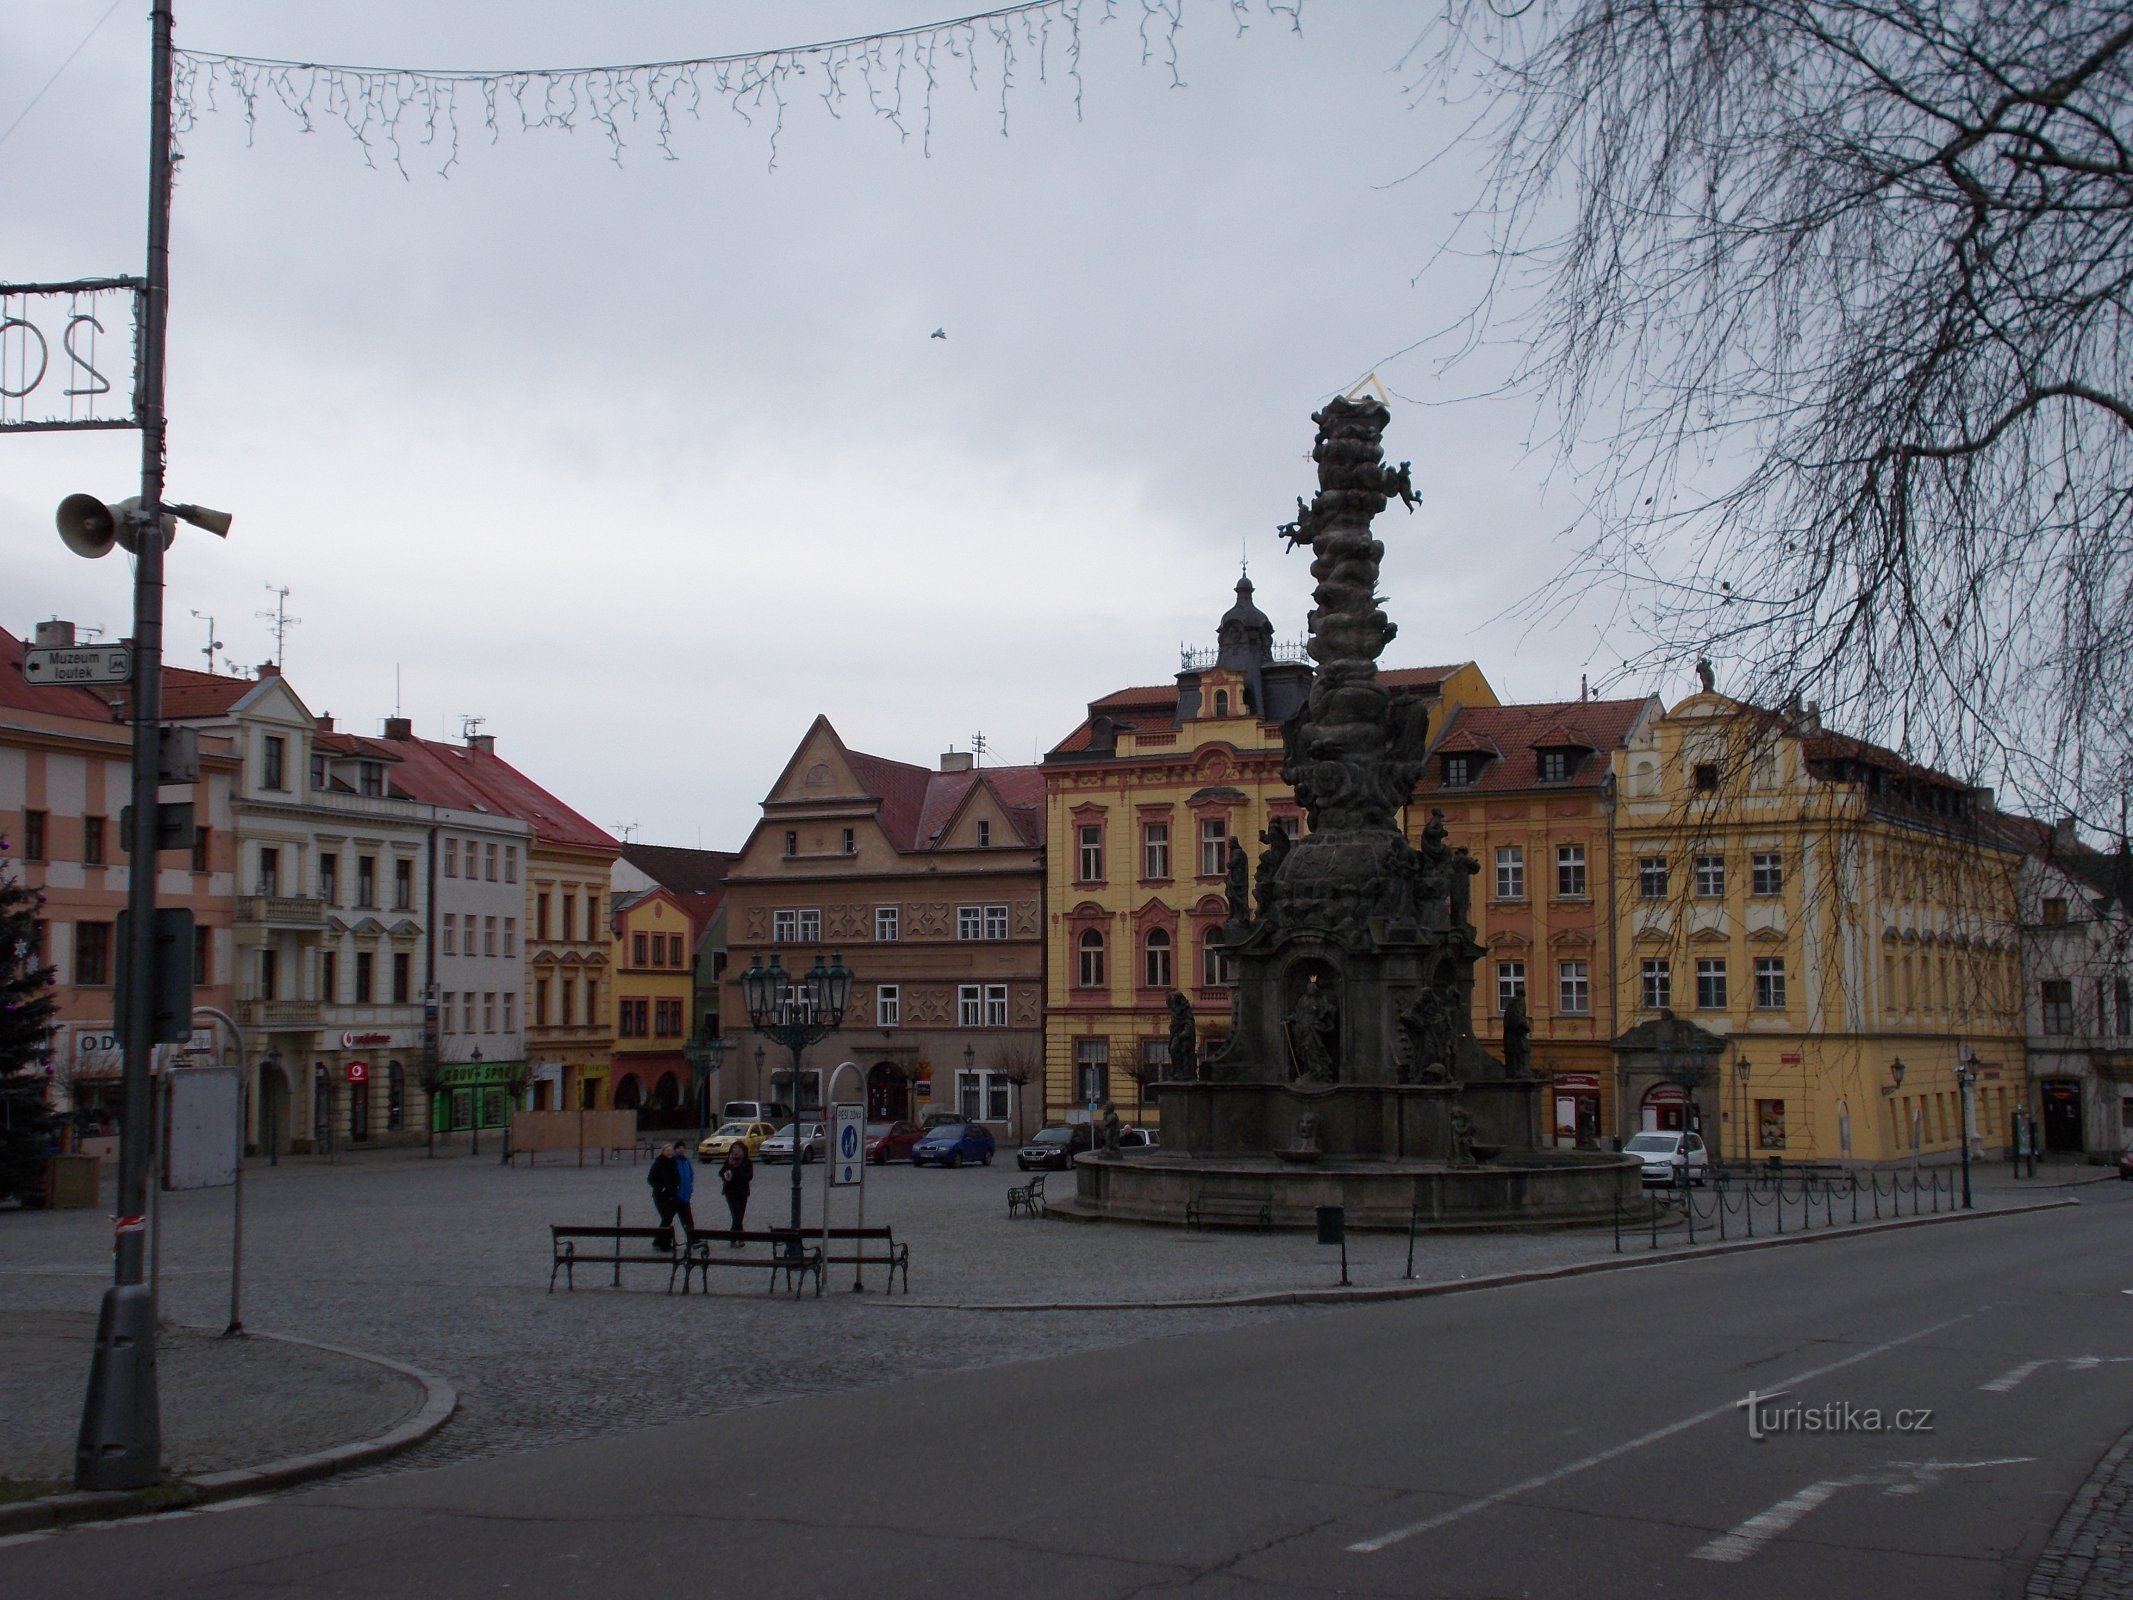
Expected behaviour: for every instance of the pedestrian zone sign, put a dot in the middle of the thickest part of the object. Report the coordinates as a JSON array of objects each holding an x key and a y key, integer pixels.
[{"x": 848, "y": 1146}]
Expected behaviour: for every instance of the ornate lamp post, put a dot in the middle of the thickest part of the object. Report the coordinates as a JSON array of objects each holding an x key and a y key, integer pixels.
[
  {"x": 1741, "y": 1070},
  {"x": 796, "y": 1013},
  {"x": 1965, "y": 1081},
  {"x": 705, "y": 1053}
]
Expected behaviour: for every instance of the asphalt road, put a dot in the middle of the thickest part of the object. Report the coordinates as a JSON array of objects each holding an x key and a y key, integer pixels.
[{"x": 1581, "y": 1438}]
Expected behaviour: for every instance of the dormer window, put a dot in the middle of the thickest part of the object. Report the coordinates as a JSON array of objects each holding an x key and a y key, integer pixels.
[
  {"x": 370, "y": 778},
  {"x": 1460, "y": 771},
  {"x": 1554, "y": 765},
  {"x": 1221, "y": 702}
]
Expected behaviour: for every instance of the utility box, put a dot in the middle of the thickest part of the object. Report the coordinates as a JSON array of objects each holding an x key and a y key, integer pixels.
[{"x": 70, "y": 1182}]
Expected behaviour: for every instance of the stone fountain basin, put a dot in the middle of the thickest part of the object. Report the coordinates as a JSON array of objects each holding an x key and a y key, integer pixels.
[{"x": 1536, "y": 1189}]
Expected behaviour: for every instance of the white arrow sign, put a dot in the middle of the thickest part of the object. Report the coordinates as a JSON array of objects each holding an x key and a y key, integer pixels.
[{"x": 80, "y": 664}]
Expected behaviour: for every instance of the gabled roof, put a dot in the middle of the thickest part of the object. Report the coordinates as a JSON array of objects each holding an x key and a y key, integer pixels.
[
  {"x": 187, "y": 693},
  {"x": 901, "y": 789},
  {"x": 1515, "y": 734},
  {"x": 487, "y": 782},
  {"x": 53, "y": 700},
  {"x": 681, "y": 870},
  {"x": 1018, "y": 791}
]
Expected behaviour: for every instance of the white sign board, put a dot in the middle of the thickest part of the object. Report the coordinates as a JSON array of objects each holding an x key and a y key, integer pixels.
[
  {"x": 203, "y": 1111},
  {"x": 81, "y": 664},
  {"x": 848, "y": 1146}
]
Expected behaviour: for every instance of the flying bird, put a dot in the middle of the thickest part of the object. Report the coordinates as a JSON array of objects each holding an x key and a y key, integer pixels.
[{"x": 939, "y": 333}]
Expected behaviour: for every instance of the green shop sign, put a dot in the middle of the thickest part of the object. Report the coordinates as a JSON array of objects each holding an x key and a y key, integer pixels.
[{"x": 474, "y": 1095}]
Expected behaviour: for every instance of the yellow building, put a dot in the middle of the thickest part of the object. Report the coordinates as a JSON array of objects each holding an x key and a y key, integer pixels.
[
  {"x": 1141, "y": 803},
  {"x": 654, "y": 965},
  {"x": 1811, "y": 930}
]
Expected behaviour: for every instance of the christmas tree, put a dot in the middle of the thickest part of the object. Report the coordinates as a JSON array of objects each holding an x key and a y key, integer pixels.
[{"x": 26, "y": 1008}]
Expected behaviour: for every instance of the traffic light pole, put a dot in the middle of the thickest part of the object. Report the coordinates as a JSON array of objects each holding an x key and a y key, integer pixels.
[{"x": 121, "y": 1440}]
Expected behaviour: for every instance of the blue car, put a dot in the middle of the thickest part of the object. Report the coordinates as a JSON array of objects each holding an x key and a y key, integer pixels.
[{"x": 950, "y": 1144}]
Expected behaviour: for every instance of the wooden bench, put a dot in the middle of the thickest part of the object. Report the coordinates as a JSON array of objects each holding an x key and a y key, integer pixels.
[
  {"x": 896, "y": 1257},
  {"x": 1245, "y": 1210},
  {"x": 1027, "y": 1197},
  {"x": 790, "y": 1254},
  {"x": 569, "y": 1254}
]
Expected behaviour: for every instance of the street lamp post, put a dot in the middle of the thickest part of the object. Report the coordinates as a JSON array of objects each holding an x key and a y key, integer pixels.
[
  {"x": 705, "y": 1053},
  {"x": 1741, "y": 1070},
  {"x": 796, "y": 1012},
  {"x": 1965, "y": 1080}
]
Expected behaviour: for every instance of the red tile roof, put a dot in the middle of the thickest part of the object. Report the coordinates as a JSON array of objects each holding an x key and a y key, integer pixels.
[
  {"x": 680, "y": 870},
  {"x": 477, "y": 780},
  {"x": 901, "y": 789},
  {"x": 1521, "y": 732},
  {"x": 187, "y": 693},
  {"x": 53, "y": 700}
]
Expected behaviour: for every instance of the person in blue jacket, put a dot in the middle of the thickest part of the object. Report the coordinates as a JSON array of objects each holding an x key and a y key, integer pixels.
[{"x": 684, "y": 1191}]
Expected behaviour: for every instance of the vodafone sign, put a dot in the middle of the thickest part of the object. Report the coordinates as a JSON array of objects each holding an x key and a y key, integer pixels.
[
  {"x": 396, "y": 1039},
  {"x": 358, "y": 1072}
]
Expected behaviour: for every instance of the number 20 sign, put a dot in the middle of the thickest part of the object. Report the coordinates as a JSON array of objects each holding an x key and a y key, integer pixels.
[{"x": 60, "y": 346}]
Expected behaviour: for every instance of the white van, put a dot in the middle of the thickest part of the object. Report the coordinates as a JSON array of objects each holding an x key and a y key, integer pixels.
[{"x": 756, "y": 1111}]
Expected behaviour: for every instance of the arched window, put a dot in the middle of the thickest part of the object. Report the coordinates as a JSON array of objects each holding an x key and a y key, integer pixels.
[
  {"x": 628, "y": 1095},
  {"x": 1092, "y": 960},
  {"x": 1155, "y": 967},
  {"x": 1221, "y": 702}
]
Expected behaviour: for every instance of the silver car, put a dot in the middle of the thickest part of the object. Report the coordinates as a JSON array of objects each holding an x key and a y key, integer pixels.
[
  {"x": 814, "y": 1139},
  {"x": 1669, "y": 1158}
]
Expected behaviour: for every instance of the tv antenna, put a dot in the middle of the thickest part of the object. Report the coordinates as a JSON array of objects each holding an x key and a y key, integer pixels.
[
  {"x": 213, "y": 643},
  {"x": 977, "y": 748},
  {"x": 469, "y": 727},
  {"x": 280, "y": 617},
  {"x": 626, "y": 829}
]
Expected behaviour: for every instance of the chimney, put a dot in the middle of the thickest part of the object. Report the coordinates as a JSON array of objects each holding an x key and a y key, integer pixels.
[
  {"x": 268, "y": 669},
  {"x": 325, "y": 723},
  {"x": 2065, "y": 836},
  {"x": 1810, "y": 718},
  {"x": 956, "y": 761},
  {"x": 483, "y": 742},
  {"x": 55, "y": 635},
  {"x": 399, "y": 727}
]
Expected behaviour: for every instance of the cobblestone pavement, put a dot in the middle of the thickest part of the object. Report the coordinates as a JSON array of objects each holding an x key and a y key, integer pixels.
[
  {"x": 220, "y": 1398},
  {"x": 443, "y": 1263},
  {"x": 2090, "y": 1554}
]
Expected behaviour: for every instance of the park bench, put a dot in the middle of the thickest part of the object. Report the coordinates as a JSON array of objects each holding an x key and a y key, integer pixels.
[
  {"x": 575, "y": 1247},
  {"x": 790, "y": 1254},
  {"x": 1245, "y": 1210},
  {"x": 896, "y": 1257},
  {"x": 1027, "y": 1197}
]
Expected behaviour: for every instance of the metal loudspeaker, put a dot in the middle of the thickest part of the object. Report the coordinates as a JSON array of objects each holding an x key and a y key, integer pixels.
[{"x": 90, "y": 528}]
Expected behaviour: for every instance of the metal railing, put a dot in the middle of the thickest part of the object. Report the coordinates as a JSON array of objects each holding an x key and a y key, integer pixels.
[{"x": 1785, "y": 1203}]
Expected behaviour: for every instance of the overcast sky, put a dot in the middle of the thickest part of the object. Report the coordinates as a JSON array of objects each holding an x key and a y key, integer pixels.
[{"x": 647, "y": 465}]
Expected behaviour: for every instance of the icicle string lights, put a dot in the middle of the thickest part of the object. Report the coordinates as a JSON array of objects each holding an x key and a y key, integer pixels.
[{"x": 396, "y": 110}]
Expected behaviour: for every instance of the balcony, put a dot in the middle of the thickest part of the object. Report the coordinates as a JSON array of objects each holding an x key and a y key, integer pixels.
[
  {"x": 277, "y": 1014},
  {"x": 280, "y": 911}
]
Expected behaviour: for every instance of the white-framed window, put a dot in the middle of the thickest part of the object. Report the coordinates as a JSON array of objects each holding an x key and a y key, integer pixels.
[
  {"x": 1710, "y": 983},
  {"x": 1573, "y": 982},
  {"x": 984, "y": 833},
  {"x": 969, "y": 1005},
  {"x": 1092, "y": 1070},
  {"x": 1766, "y": 873},
  {"x": 1155, "y": 960},
  {"x": 510, "y": 863},
  {"x": 1090, "y": 953},
  {"x": 510, "y": 936},
  {"x": 1710, "y": 877},
  {"x": 888, "y": 1005},
  {"x": 887, "y": 924},
  {"x": 451, "y": 857},
  {"x": 969, "y": 922},
  {"x": 1510, "y": 872},
  {"x": 510, "y": 1012},
  {"x": 996, "y": 922},
  {"x": 1657, "y": 980},
  {"x": 798, "y": 926},
  {"x": 850, "y": 842},
  {"x": 1651, "y": 877},
  {"x": 1770, "y": 983},
  {"x": 488, "y": 937},
  {"x": 1570, "y": 871},
  {"x": 1090, "y": 836},
  {"x": 1155, "y": 851},
  {"x": 1214, "y": 847},
  {"x": 445, "y": 1013},
  {"x": 489, "y": 854},
  {"x": 996, "y": 1005},
  {"x": 1217, "y": 970},
  {"x": 468, "y": 1000},
  {"x": 1510, "y": 982},
  {"x": 982, "y": 1096},
  {"x": 450, "y": 931}
]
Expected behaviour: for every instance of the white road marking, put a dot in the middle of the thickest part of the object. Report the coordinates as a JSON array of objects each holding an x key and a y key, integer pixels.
[
  {"x": 1365, "y": 1547},
  {"x": 2007, "y": 1380},
  {"x": 1750, "y": 1536}
]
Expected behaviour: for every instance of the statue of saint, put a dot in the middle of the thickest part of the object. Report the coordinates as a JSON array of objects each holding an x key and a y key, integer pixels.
[
  {"x": 1313, "y": 1026},
  {"x": 1429, "y": 1037},
  {"x": 1462, "y": 1137},
  {"x": 1184, "y": 1039},
  {"x": 1517, "y": 1030},
  {"x": 1108, "y": 1128},
  {"x": 1237, "y": 885},
  {"x": 1464, "y": 869},
  {"x": 1276, "y": 839}
]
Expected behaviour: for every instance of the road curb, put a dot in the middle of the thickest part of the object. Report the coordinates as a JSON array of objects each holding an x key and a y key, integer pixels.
[
  {"x": 1500, "y": 1280},
  {"x": 439, "y": 1401}
]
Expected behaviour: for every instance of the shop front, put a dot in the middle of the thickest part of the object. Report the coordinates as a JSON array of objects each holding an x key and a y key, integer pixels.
[
  {"x": 1577, "y": 1110},
  {"x": 475, "y": 1095}
]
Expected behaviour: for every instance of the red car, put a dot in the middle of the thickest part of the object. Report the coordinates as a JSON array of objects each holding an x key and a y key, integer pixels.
[{"x": 890, "y": 1141}]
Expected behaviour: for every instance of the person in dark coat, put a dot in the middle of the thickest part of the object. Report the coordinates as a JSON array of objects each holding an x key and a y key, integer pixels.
[
  {"x": 665, "y": 1182},
  {"x": 734, "y": 1177}
]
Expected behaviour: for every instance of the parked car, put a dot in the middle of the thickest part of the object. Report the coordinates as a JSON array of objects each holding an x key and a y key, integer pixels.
[
  {"x": 1138, "y": 1138},
  {"x": 891, "y": 1141},
  {"x": 814, "y": 1138},
  {"x": 1668, "y": 1157},
  {"x": 1053, "y": 1149},
  {"x": 941, "y": 1116},
  {"x": 727, "y": 1134},
  {"x": 772, "y": 1111},
  {"x": 951, "y": 1144}
]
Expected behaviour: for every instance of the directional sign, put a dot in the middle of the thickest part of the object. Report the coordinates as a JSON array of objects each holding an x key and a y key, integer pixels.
[
  {"x": 848, "y": 1146},
  {"x": 79, "y": 664}
]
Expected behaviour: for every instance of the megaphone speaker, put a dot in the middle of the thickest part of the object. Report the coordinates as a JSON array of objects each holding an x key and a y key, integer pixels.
[{"x": 87, "y": 526}]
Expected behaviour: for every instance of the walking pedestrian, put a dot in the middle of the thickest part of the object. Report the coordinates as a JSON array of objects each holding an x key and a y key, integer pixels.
[
  {"x": 665, "y": 1182},
  {"x": 734, "y": 1178},
  {"x": 685, "y": 1191}
]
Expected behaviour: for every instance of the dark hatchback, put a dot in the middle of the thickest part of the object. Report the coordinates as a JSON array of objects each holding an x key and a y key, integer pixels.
[
  {"x": 1054, "y": 1149},
  {"x": 951, "y": 1144}
]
